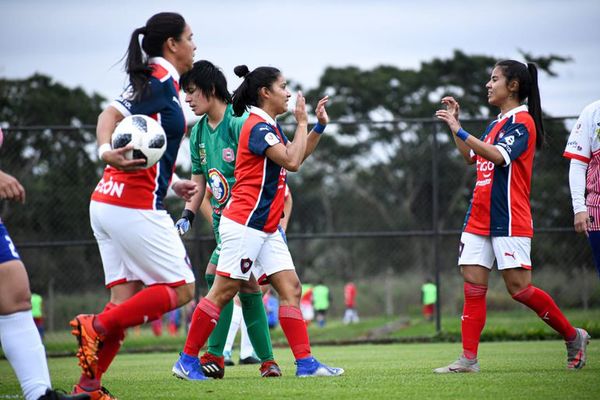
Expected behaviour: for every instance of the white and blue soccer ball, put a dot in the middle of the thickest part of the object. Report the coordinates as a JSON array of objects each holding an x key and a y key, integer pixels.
[{"x": 147, "y": 136}]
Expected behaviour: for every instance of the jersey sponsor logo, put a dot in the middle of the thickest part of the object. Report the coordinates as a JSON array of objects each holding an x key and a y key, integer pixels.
[
  {"x": 271, "y": 139},
  {"x": 110, "y": 188},
  {"x": 486, "y": 168},
  {"x": 202, "y": 153},
  {"x": 228, "y": 154},
  {"x": 218, "y": 185},
  {"x": 245, "y": 265}
]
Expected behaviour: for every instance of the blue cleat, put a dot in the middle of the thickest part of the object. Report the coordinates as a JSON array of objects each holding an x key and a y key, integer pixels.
[
  {"x": 309, "y": 366},
  {"x": 188, "y": 368}
]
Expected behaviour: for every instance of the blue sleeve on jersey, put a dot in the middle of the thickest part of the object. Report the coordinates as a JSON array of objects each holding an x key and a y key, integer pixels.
[
  {"x": 515, "y": 140},
  {"x": 285, "y": 139},
  {"x": 262, "y": 136},
  {"x": 150, "y": 103}
]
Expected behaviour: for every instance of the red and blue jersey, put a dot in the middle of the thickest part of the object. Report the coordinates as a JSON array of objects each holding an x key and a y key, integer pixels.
[
  {"x": 500, "y": 205},
  {"x": 146, "y": 188},
  {"x": 258, "y": 194}
]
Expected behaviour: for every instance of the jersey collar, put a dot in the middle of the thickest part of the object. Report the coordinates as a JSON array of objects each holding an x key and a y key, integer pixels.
[
  {"x": 512, "y": 112},
  {"x": 166, "y": 65},
  {"x": 263, "y": 114}
]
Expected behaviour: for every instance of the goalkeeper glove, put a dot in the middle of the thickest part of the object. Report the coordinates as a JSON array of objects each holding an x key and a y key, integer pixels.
[{"x": 185, "y": 222}]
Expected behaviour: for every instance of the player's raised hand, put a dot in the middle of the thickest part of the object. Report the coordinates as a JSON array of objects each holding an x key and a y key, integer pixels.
[
  {"x": 185, "y": 188},
  {"x": 451, "y": 105},
  {"x": 117, "y": 158},
  {"x": 10, "y": 188},
  {"x": 321, "y": 111},
  {"x": 300, "y": 110},
  {"x": 450, "y": 114}
]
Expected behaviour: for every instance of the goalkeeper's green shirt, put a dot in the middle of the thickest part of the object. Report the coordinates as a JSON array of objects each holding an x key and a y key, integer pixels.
[{"x": 213, "y": 154}]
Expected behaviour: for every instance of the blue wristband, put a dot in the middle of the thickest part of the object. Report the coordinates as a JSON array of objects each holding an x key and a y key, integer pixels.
[
  {"x": 462, "y": 134},
  {"x": 318, "y": 128}
]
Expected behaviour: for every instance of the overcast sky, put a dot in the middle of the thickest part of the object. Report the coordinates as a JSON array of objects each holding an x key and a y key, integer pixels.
[{"x": 80, "y": 43}]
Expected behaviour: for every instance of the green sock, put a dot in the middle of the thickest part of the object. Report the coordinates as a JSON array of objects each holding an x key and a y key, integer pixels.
[
  {"x": 218, "y": 337},
  {"x": 256, "y": 322}
]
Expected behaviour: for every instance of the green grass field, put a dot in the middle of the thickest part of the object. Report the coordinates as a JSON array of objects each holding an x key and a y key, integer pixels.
[{"x": 510, "y": 370}]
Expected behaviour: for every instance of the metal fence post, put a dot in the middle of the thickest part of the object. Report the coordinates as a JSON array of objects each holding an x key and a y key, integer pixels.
[{"x": 435, "y": 225}]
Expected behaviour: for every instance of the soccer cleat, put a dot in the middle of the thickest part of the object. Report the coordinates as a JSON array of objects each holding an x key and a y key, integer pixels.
[
  {"x": 576, "y": 350},
  {"x": 270, "y": 369},
  {"x": 188, "y": 368},
  {"x": 60, "y": 395},
  {"x": 249, "y": 360},
  {"x": 463, "y": 364},
  {"x": 90, "y": 342},
  {"x": 213, "y": 366},
  {"x": 309, "y": 366},
  {"x": 228, "y": 361},
  {"x": 98, "y": 394}
]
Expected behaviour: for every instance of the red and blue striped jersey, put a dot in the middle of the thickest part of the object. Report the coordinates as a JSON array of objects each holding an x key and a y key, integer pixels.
[
  {"x": 258, "y": 194},
  {"x": 146, "y": 188},
  {"x": 500, "y": 205}
]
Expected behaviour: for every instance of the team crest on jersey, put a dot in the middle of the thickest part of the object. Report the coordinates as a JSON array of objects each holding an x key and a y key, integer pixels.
[
  {"x": 228, "y": 154},
  {"x": 202, "y": 153},
  {"x": 245, "y": 265},
  {"x": 218, "y": 185}
]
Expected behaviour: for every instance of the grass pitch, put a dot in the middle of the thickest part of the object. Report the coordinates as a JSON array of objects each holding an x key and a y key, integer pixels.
[{"x": 510, "y": 370}]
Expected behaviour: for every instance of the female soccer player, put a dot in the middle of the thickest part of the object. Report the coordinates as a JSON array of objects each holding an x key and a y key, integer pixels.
[
  {"x": 145, "y": 263},
  {"x": 213, "y": 146},
  {"x": 19, "y": 336},
  {"x": 499, "y": 224},
  {"x": 251, "y": 243},
  {"x": 584, "y": 174}
]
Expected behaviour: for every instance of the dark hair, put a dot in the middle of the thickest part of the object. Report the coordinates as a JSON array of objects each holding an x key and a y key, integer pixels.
[
  {"x": 247, "y": 93},
  {"x": 527, "y": 76},
  {"x": 207, "y": 77},
  {"x": 157, "y": 30}
]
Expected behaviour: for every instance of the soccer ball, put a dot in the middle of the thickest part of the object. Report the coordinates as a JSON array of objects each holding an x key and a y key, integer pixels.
[{"x": 147, "y": 136}]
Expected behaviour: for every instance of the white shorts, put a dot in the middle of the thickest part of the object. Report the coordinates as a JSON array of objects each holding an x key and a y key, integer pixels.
[
  {"x": 246, "y": 251},
  {"x": 508, "y": 251},
  {"x": 139, "y": 245}
]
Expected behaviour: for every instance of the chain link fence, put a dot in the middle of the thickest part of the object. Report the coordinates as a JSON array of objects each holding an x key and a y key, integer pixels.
[{"x": 379, "y": 203}]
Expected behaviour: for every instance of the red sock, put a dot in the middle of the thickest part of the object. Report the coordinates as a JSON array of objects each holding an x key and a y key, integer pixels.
[
  {"x": 110, "y": 348},
  {"x": 473, "y": 318},
  {"x": 295, "y": 331},
  {"x": 146, "y": 305},
  {"x": 541, "y": 302},
  {"x": 204, "y": 320}
]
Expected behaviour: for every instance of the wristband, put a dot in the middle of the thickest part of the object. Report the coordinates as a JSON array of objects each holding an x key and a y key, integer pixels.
[
  {"x": 103, "y": 149},
  {"x": 462, "y": 134},
  {"x": 318, "y": 128},
  {"x": 189, "y": 215}
]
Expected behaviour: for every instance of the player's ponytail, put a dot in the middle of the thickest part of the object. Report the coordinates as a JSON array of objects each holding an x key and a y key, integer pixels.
[
  {"x": 535, "y": 105},
  {"x": 247, "y": 94},
  {"x": 155, "y": 33},
  {"x": 527, "y": 77}
]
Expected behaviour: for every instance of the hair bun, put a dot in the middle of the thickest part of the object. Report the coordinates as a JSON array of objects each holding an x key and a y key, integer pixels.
[{"x": 241, "y": 71}]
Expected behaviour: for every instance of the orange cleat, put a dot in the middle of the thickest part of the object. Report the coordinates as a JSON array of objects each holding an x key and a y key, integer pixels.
[
  {"x": 98, "y": 394},
  {"x": 90, "y": 342}
]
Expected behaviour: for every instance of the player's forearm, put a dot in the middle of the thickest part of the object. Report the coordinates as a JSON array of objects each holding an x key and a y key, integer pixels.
[{"x": 577, "y": 174}]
